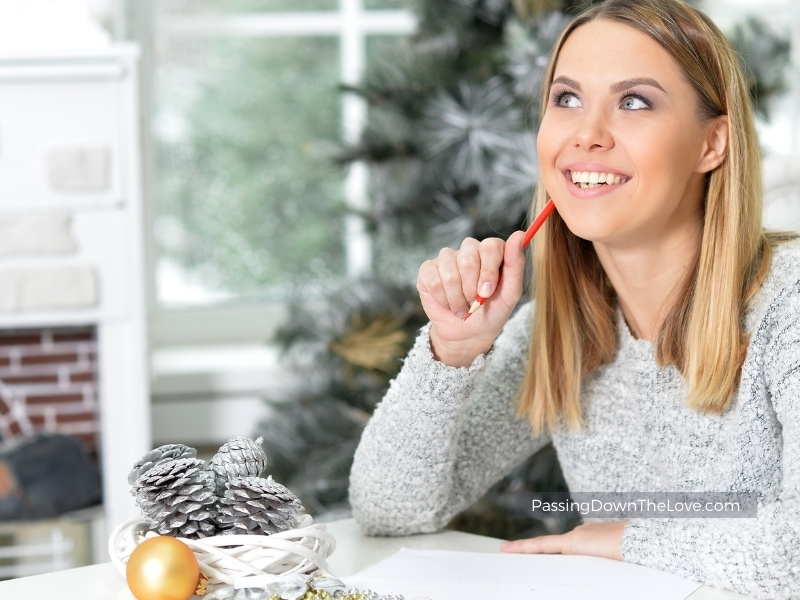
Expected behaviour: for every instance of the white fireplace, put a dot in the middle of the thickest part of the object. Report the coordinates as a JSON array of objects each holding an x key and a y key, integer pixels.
[{"x": 71, "y": 243}]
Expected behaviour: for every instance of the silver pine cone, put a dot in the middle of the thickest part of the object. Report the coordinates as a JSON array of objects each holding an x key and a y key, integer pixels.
[
  {"x": 253, "y": 505},
  {"x": 160, "y": 454},
  {"x": 178, "y": 497},
  {"x": 238, "y": 457}
]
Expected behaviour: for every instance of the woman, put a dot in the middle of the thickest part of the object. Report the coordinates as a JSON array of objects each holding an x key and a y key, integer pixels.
[{"x": 662, "y": 352}]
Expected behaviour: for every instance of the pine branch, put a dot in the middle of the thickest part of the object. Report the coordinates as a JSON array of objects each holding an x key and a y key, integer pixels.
[
  {"x": 528, "y": 47},
  {"x": 764, "y": 55},
  {"x": 464, "y": 131}
]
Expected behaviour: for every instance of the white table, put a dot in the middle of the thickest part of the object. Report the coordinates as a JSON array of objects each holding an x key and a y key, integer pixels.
[{"x": 354, "y": 552}]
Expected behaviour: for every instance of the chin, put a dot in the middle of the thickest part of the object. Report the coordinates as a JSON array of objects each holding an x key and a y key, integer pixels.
[{"x": 591, "y": 232}]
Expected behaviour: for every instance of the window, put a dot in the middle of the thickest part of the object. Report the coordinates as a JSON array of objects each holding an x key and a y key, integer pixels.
[
  {"x": 782, "y": 134},
  {"x": 237, "y": 97},
  {"x": 241, "y": 97}
]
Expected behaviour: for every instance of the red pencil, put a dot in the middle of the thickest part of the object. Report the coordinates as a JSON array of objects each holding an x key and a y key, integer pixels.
[{"x": 537, "y": 223}]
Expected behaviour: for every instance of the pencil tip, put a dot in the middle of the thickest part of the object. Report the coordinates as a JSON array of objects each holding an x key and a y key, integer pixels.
[{"x": 475, "y": 306}]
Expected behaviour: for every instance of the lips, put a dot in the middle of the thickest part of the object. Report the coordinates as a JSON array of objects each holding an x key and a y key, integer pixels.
[
  {"x": 590, "y": 176},
  {"x": 592, "y": 179}
]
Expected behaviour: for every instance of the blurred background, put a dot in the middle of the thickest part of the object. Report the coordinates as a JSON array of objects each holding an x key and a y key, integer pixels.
[{"x": 212, "y": 213}]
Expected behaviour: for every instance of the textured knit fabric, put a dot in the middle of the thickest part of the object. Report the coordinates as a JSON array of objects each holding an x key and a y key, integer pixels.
[{"x": 443, "y": 435}]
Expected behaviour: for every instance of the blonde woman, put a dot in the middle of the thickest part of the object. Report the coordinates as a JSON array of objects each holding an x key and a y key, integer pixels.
[{"x": 661, "y": 351}]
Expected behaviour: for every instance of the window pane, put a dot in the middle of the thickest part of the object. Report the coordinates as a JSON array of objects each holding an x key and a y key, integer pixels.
[
  {"x": 383, "y": 47},
  {"x": 194, "y": 7},
  {"x": 244, "y": 206},
  {"x": 393, "y": 4}
]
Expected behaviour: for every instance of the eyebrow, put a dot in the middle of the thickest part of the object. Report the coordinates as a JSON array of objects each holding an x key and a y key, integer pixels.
[{"x": 620, "y": 86}]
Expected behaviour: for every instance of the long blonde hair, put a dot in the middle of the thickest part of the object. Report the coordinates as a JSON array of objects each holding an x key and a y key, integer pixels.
[{"x": 574, "y": 327}]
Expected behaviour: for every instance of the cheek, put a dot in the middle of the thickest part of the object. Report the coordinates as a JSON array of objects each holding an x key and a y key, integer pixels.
[
  {"x": 666, "y": 153},
  {"x": 547, "y": 147}
]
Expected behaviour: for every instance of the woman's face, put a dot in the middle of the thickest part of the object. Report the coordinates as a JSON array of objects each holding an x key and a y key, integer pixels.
[{"x": 622, "y": 120}]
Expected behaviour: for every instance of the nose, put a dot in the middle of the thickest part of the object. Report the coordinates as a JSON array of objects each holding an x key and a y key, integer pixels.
[{"x": 592, "y": 133}]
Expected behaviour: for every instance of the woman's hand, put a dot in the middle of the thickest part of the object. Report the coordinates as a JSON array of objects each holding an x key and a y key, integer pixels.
[
  {"x": 449, "y": 284},
  {"x": 590, "y": 539}
]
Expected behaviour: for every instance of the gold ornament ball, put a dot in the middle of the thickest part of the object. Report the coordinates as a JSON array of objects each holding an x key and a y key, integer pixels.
[{"x": 162, "y": 568}]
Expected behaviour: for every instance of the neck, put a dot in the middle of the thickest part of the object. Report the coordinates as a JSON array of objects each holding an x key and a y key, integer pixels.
[{"x": 647, "y": 278}]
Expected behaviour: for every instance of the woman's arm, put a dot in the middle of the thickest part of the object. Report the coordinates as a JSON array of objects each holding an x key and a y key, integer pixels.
[
  {"x": 441, "y": 437},
  {"x": 758, "y": 556}
]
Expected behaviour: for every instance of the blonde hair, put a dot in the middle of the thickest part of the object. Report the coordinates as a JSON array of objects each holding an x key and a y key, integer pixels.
[{"x": 575, "y": 318}]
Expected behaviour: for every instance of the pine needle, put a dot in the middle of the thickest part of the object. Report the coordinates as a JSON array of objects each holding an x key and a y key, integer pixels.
[{"x": 375, "y": 345}]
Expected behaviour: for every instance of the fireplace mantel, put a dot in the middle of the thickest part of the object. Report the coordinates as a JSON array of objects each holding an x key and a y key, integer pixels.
[{"x": 72, "y": 252}]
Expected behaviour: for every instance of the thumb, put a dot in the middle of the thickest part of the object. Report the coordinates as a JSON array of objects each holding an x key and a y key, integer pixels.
[{"x": 513, "y": 266}]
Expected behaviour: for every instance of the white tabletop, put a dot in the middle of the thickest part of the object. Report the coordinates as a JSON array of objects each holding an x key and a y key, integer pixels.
[{"x": 354, "y": 552}]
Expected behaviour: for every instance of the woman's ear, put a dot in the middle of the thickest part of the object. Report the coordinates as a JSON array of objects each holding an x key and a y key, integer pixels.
[{"x": 715, "y": 145}]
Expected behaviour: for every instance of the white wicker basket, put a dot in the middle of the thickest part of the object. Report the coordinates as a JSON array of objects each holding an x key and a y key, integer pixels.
[{"x": 239, "y": 560}]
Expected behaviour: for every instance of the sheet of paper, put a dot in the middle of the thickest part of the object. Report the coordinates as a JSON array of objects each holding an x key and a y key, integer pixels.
[{"x": 447, "y": 575}]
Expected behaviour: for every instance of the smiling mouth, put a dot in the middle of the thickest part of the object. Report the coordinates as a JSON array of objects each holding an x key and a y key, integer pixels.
[{"x": 593, "y": 179}]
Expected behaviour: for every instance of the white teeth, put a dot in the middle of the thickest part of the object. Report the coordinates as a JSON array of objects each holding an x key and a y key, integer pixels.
[{"x": 587, "y": 179}]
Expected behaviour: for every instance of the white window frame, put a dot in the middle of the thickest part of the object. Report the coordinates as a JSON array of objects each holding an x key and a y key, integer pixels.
[
  {"x": 352, "y": 23},
  {"x": 781, "y": 136},
  {"x": 208, "y": 364}
]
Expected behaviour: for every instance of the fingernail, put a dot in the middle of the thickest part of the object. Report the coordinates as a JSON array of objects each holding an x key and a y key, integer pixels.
[
  {"x": 485, "y": 289},
  {"x": 505, "y": 546},
  {"x": 461, "y": 314}
]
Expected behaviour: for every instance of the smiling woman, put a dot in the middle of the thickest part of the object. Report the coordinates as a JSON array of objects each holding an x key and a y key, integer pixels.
[{"x": 660, "y": 351}]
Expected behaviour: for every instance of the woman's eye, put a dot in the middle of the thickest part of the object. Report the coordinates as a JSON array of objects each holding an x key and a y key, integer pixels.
[
  {"x": 634, "y": 103},
  {"x": 567, "y": 100}
]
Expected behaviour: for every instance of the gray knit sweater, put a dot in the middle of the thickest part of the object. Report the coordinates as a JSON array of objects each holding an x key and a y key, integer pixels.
[{"x": 443, "y": 435}]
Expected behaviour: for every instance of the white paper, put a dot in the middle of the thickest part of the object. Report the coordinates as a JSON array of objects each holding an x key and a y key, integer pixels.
[{"x": 447, "y": 575}]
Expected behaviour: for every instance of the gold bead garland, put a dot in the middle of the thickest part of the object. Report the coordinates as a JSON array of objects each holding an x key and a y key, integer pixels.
[{"x": 325, "y": 595}]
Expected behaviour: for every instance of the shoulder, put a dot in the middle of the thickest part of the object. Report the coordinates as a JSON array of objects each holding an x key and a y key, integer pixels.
[
  {"x": 781, "y": 286},
  {"x": 785, "y": 266}
]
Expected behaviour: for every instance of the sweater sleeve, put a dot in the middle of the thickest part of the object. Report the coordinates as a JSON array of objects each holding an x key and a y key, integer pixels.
[
  {"x": 441, "y": 437},
  {"x": 761, "y": 556}
]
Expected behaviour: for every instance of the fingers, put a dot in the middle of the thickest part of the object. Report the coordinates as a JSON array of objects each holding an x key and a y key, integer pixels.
[
  {"x": 591, "y": 539},
  {"x": 513, "y": 267},
  {"x": 491, "y": 257},
  {"x": 452, "y": 282},
  {"x": 545, "y": 544},
  {"x": 469, "y": 266},
  {"x": 441, "y": 280},
  {"x": 429, "y": 282},
  {"x": 452, "y": 279}
]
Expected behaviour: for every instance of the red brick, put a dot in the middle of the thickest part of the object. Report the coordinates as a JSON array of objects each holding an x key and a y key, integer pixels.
[
  {"x": 74, "y": 336},
  {"x": 50, "y": 359},
  {"x": 53, "y": 399},
  {"x": 20, "y": 339},
  {"x": 36, "y": 420},
  {"x": 15, "y": 428},
  {"x": 4, "y": 408},
  {"x": 82, "y": 377},
  {"x": 84, "y": 416},
  {"x": 29, "y": 379},
  {"x": 4, "y": 361}
]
